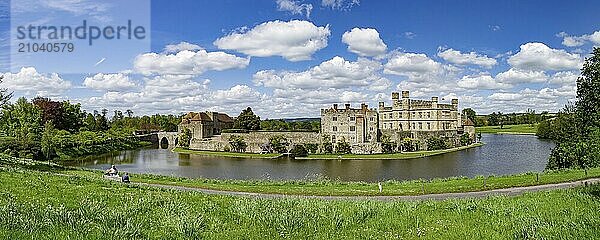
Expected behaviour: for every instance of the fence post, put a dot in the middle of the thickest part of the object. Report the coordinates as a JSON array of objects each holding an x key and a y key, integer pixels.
[{"x": 484, "y": 185}]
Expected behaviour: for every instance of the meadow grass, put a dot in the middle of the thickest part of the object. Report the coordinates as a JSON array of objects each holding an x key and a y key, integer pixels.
[
  {"x": 509, "y": 129},
  {"x": 42, "y": 205},
  {"x": 328, "y": 187}
]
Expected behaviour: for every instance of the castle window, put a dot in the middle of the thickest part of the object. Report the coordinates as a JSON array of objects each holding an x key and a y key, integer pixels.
[
  {"x": 332, "y": 138},
  {"x": 420, "y": 125},
  {"x": 371, "y": 129},
  {"x": 352, "y": 118},
  {"x": 428, "y": 125},
  {"x": 414, "y": 126},
  {"x": 420, "y": 115},
  {"x": 428, "y": 114},
  {"x": 334, "y": 128},
  {"x": 334, "y": 118},
  {"x": 352, "y": 128},
  {"x": 391, "y": 115}
]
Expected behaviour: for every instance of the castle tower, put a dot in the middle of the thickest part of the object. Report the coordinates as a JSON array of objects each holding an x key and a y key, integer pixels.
[
  {"x": 455, "y": 103},
  {"x": 434, "y": 102},
  {"x": 405, "y": 100}
]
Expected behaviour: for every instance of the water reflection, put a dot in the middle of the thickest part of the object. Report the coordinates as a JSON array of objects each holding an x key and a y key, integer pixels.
[{"x": 503, "y": 154}]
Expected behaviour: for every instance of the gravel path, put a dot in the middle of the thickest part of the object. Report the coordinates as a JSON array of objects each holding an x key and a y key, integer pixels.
[{"x": 514, "y": 191}]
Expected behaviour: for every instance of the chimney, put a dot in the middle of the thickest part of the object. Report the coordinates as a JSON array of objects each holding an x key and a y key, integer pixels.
[
  {"x": 364, "y": 106},
  {"x": 335, "y": 106},
  {"x": 434, "y": 102},
  {"x": 455, "y": 103},
  {"x": 381, "y": 105},
  {"x": 395, "y": 96},
  {"x": 405, "y": 94},
  {"x": 347, "y": 106},
  {"x": 434, "y": 99}
]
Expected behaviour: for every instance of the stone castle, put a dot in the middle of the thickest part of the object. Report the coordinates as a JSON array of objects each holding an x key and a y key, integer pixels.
[
  {"x": 405, "y": 118},
  {"x": 363, "y": 128}
]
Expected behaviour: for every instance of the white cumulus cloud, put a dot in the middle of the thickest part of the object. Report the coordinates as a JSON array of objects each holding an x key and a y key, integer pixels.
[
  {"x": 29, "y": 81},
  {"x": 576, "y": 41},
  {"x": 187, "y": 62},
  {"x": 182, "y": 46},
  {"x": 456, "y": 57},
  {"x": 294, "y": 7},
  {"x": 109, "y": 82},
  {"x": 334, "y": 73},
  {"x": 517, "y": 76},
  {"x": 483, "y": 82},
  {"x": 364, "y": 42},
  {"x": 538, "y": 56},
  {"x": 294, "y": 40}
]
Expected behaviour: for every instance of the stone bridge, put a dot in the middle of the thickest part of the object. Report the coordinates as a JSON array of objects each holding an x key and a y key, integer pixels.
[{"x": 162, "y": 139}]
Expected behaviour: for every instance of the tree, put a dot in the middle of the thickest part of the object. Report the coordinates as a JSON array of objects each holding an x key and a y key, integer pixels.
[
  {"x": 279, "y": 143},
  {"x": 48, "y": 143},
  {"x": 465, "y": 139},
  {"x": 311, "y": 147},
  {"x": 342, "y": 147},
  {"x": 247, "y": 120},
  {"x": 5, "y": 96},
  {"x": 22, "y": 121},
  {"x": 469, "y": 114},
  {"x": 576, "y": 130},
  {"x": 237, "y": 143},
  {"x": 326, "y": 145},
  {"x": 588, "y": 94},
  {"x": 299, "y": 151},
  {"x": 387, "y": 146},
  {"x": 184, "y": 138}
]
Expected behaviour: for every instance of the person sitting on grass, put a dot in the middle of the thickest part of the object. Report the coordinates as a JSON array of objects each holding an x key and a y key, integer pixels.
[
  {"x": 125, "y": 178},
  {"x": 112, "y": 171}
]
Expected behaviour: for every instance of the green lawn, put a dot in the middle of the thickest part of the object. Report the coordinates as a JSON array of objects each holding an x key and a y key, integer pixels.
[
  {"x": 509, "y": 129},
  {"x": 405, "y": 155},
  {"x": 325, "y": 187},
  {"x": 41, "y": 205},
  {"x": 227, "y": 154}
]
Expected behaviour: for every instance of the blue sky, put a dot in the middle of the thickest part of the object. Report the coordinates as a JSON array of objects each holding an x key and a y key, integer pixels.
[{"x": 289, "y": 58}]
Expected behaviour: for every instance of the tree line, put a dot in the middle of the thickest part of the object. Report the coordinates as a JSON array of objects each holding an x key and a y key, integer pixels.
[
  {"x": 45, "y": 129},
  {"x": 576, "y": 128}
]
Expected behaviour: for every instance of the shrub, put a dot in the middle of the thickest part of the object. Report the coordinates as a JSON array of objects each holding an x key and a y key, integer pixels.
[
  {"x": 299, "y": 151},
  {"x": 387, "y": 146},
  {"x": 434, "y": 143},
  {"x": 342, "y": 147},
  {"x": 279, "y": 143},
  {"x": 311, "y": 147},
  {"x": 237, "y": 143},
  {"x": 465, "y": 139}
]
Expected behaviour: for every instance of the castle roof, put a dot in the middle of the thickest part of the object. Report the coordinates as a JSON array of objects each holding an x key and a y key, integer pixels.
[
  {"x": 203, "y": 116},
  {"x": 467, "y": 122},
  {"x": 222, "y": 117}
]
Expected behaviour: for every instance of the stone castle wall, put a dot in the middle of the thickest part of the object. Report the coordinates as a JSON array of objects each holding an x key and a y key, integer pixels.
[{"x": 254, "y": 140}]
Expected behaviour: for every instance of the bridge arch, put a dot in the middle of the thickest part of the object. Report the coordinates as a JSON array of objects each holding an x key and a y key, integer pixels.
[{"x": 163, "y": 143}]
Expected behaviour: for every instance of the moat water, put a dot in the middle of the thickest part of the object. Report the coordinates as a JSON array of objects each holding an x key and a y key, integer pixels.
[{"x": 502, "y": 155}]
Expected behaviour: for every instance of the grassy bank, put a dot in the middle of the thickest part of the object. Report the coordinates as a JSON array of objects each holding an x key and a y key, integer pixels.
[
  {"x": 39, "y": 205},
  {"x": 509, "y": 129},
  {"x": 226, "y": 154},
  {"x": 391, "y": 156},
  {"x": 326, "y": 187}
]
